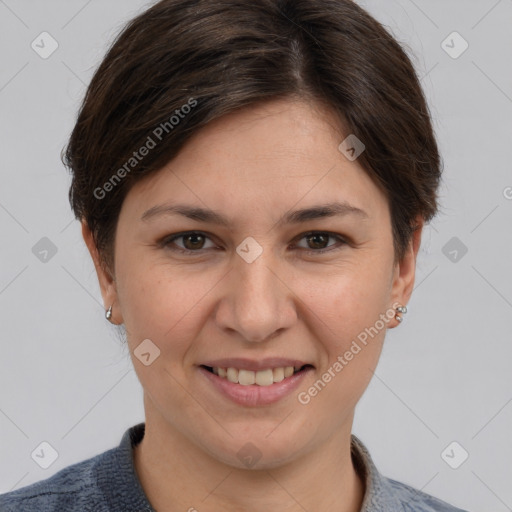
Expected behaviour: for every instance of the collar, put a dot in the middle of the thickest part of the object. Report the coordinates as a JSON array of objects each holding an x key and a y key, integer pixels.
[{"x": 379, "y": 495}]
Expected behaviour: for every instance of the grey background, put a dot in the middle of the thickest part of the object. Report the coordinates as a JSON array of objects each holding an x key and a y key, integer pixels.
[{"x": 444, "y": 375}]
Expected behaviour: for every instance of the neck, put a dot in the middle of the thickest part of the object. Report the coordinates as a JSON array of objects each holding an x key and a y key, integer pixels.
[{"x": 178, "y": 475}]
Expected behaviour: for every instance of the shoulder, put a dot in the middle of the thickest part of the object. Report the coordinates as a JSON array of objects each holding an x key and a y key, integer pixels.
[
  {"x": 384, "y": 493},
  {"x": 73, "y": 489},
  {"x": 414, "y": 500}
]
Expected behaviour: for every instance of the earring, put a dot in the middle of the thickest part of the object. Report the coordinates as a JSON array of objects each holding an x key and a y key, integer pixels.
[
  {"x": 400, "y": 309},
  {"x": 108, "y": 314}
]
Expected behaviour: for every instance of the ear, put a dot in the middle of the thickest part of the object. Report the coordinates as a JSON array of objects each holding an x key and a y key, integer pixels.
[
  {"x": 405, "y": 270},
  {"x": 106, "y": 281}
]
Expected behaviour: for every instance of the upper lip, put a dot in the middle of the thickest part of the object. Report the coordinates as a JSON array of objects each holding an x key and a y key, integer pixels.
[{"x": 249, "y": 364}]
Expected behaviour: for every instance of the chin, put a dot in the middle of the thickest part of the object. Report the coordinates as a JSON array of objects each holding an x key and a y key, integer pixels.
[{"x": 257, "y": 450}]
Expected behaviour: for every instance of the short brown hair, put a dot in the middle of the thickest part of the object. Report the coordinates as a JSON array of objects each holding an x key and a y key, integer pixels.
[{"x": 227, "y": 54}]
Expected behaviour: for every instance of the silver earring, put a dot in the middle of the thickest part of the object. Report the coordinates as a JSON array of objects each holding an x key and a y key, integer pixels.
[
  {"x": 108, "y": 314},
  {"x": 400, "y": 309}
]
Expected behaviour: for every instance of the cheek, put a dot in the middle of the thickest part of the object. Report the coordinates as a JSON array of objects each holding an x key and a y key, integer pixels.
[
  {"x": 162, "y": 303},
  {"x": 345, "y": 302},
  {"x": 349, "y": 325}
]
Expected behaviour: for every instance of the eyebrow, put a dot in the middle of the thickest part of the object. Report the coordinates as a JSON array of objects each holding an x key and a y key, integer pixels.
[{"x": 295, "y": 217}]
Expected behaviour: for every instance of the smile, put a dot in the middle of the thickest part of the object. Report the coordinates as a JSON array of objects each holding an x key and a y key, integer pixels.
[
  {"x": 264, "y": 377},
  {"x": 265, "y": 384}
]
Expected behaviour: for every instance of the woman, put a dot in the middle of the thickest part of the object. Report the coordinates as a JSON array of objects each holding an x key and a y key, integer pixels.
[{"x": 252, "y": 180}]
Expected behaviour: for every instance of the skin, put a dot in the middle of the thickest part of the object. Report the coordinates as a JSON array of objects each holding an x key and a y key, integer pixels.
[{"x": 254, "y": 166}]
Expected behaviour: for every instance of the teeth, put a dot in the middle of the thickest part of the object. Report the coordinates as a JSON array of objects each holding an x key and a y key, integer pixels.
[
  {"x": 261, "y": 378},
  {"x": 246, "y": 377},
  {"x": 264, "y": 377},
  {"x": 278, "y": 374},
  {"x": 232, "y": 375}
]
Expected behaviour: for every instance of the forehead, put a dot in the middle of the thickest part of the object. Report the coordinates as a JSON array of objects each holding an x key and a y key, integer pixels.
[{"x": 265, "y": 158}]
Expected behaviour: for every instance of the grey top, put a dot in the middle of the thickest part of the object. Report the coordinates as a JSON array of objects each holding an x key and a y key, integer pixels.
[{"x": 108, "y": 483}]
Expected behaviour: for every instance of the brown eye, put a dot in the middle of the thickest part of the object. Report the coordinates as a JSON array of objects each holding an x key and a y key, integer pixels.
[
  {"x": 318, "y": 242},
  {"x": 191, "y": 242}
]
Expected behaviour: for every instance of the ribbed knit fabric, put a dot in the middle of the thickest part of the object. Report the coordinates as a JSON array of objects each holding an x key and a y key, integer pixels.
[{"x": 108, "y": 483}]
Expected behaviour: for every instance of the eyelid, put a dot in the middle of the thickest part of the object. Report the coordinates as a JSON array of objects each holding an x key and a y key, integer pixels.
[
  {"x": 340, "y": 239},
  {"x": 167, "y": 240}
]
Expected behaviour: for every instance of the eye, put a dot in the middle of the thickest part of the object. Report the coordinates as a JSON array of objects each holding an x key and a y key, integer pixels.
[
  {"x": 193, "y": 241},
  {"x": 317, "y": 241}
]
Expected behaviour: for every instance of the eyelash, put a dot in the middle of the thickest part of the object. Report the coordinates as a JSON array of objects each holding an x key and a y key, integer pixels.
[{"x": 166, "y": 242}]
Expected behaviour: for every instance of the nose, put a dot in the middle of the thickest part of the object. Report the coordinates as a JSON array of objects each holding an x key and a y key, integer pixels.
[{"x": 256, "y": 302}]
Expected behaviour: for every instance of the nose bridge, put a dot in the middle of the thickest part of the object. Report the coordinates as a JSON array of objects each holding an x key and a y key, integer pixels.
[{"x": 259, "y": 304}]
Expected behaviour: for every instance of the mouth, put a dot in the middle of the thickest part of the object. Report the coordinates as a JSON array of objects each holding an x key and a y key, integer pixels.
[
  {"x": 263, "y": 377},
  {"x": 253, "y": 382}
]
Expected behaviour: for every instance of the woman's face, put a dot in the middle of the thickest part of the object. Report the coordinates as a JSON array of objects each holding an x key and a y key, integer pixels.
[{"x": 257, "y": 292}]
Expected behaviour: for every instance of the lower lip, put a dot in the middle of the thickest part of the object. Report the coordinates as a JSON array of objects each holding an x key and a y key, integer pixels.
[{"x": 254, "y": 395}]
